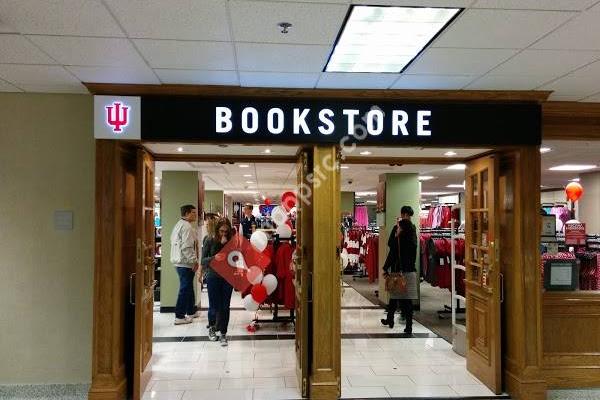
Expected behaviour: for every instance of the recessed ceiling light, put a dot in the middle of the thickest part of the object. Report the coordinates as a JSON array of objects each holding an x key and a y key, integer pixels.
[
  {"x": 371, "y": 201},
  {"x": 457, "y": 167},
  {"x": 248, "y": 176},
  {"x": 358, "y": 197},
  {"x": 267, "y": 151},
  {"x": 249, "y": 181},
  {"x": 450, "y": 154},
  {"x": 386, "y": 39},
  {"x": 542, "y": 186},
  {"x": 426, "y": 178},
  {"x": 366, "y": 193},
  {"x": 244, "y": 166},
  {"x": 180, "y": 149},
  {"x": 574, "y": 180},
  {"x": 344, "y": 167},
  {"x": 544, "y": 150},
  {"x": 434, "y": 193},
  {"x": 457, "y": 186},
  {"x": 572, "y": 167},
  {"x": 365, "y": 153}
]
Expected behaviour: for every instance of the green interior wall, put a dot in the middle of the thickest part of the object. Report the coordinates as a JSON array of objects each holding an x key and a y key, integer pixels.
[
  {"x": 400, "y": 190},
  {"x": 177, "y": 189},
  {"x": 347, "y": 203},
  {"x": 213, "y": 201},
  {"x": 371, "y": 212}
]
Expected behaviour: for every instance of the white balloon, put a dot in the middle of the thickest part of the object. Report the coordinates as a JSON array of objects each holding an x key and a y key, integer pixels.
[
  {"x": 344, "y": 257},
  {"x": 249, "y": 303},
  {"x": 270, "y": 282},
  {"x": 257, "y": 273},
  {"x": 279, "y": 215},
  {"x": 284, "y": 231},
  {"x": 259, "y": 240},
  {"x": 256, "y": 211}
]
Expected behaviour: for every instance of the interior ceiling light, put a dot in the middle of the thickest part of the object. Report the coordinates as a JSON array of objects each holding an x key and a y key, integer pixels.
[
  {"x": 458, "y": 167},
  {"x": 180, "y": 149},
  {"x": 250, "y": 182},
  {"x": 366, "y": 193},
  {"x": 544, "y": 150},
  {"x": 434, "y": 193},
  {"x": 386, "y": 39},
  {"x": 365, "y": 153},
  {"x": 457, "y": 186},
  {"x": 344, "y": 167},
  {"x": 371, "y": 201},
  {"x": 240, "y": 192},
  {"x": 285, "y": 27},
  {"x": 244, "y": 166},
  {"x": 267, "y": 151},
  {"x": 574, "y": 180},
  {"x": 426, "y": 178},
  {"x": 450, "y": 154},
  {"x": 572, "y": 167},
  {"x": 248, "y": 176}
]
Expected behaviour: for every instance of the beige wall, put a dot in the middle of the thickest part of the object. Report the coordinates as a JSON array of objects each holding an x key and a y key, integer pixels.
[{"x": 46, "y": 164}]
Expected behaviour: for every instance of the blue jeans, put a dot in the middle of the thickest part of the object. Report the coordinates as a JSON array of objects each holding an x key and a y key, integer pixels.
[
  {"x": 186, "y": 300},
  {"x": 219, "y": 300}
]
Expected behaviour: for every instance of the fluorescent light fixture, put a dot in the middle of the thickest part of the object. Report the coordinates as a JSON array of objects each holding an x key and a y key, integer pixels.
[
  {"x": 386, "y": 39},
  {"x": 344, "y": 167},
  {"x": 244, "y": 166},
  {"x": 426, "y": 178},
  {"x": 248, "y": 176},
  {"x": 457, "y": 167},
  {"x": 240, "y": 192},
  {"x": 456, "y": 186},
  {"x": 267, "y": 151},
  {"x": 371, "y": 201},
  {"x": 249, "y": 181},
  {"x": 365, "y": 153},
  {"x": 544, "y": 150},
  {"x": 180, "y": 149},
  {"x": 450, "y": 154},
  {"x": 573, "y": 167},
  {"x": 434, "y": 193},
  {"x": 358, "y": 197},
  {"x": 574, "y": 180},
  {"x": 365, "y": 193}
]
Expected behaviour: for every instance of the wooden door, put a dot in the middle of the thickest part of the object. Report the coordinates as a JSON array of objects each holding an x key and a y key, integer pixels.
[
  {"x": 303, "y": 266},
  {"x": 483, "y": 291},
  {"x": 144, "y": 272}
]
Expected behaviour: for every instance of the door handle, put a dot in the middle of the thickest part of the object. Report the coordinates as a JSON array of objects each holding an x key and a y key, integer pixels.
[
  {"x": 131, "y": 291},
  {"x": 501, "y": 287}
]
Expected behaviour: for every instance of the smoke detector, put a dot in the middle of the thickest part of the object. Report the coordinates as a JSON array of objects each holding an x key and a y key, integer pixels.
[{"x": 285, "y": 27}]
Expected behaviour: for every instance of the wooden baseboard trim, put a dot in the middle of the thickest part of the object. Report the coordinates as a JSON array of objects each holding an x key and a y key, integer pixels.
[
  {"x": 324, "y": 391},
  {"x": 520, "y": 389},
  {"x": 572, "y": 377},
  {"x": 103, "y": 392}
]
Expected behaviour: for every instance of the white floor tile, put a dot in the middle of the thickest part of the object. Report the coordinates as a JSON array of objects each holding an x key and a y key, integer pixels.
[
  {"x": 275, "y": 372},
  {"x": 364, "y": 392},
  {"x": 183, "y": 385},
  {"x": 472, "y": 390},
  {"x": 421, "y": 391},
  {"x": 364, "y": 370},
  {"x": 247, "y": 383},
  {"x": 291, "y": 381},
  {"x": 170, "y": 375},
  {"x": 151, "y": 395},
  {"x": 240, "y": 394},
  {"x": 448, "y": 379},
  {"x": 361, "y": 380},
  {"x": 401, "y": 370},
  {"x": 279, "y": 394}
]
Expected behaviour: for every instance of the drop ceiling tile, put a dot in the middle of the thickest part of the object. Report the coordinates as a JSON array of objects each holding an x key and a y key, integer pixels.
[
  {"x": 185, "y": 54},
  {"x": 140, "y": 75},
  {"x": 496, "y": 29},
  {"x": 281, "y": 57},
  {"x": 73, "y": 89},
  {"x": 547, "y": 63},
  {"x": 412, "y": 3},
  {"x": 583, "y": 82},
  {"x": 197, "y": 77},
  {"x": 88, "y": 51},
  {"x": 22, "y": 75},
  {"x": 281, "y": 80},
  {"x": 7, "y": 87},
  {"x": 65, "y": 17},
  {"x": 593, "y": 99},
  {"x": 256, "y": 21},
  {"x": 173, "y": 19},
  {"x": 332, "y": 80},
  {"x": 459, "y": 61},
  {"x": 440, "y": 82},
  {"x": 581, "y": 33},
  {"x": 558, "y": 97},
  {"x": 507, "y": 82},
  {"x": 575, "y": 5},
  {"x": 16, "y": 49}
]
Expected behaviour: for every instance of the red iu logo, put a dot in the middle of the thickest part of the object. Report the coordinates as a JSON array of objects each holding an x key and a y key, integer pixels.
[{"x": 117, "y": 116}]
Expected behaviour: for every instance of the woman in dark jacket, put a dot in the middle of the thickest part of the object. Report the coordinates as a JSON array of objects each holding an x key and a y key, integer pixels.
[
  {"x": 219, "y": 290},
  {"x": 402, "y": 258}
]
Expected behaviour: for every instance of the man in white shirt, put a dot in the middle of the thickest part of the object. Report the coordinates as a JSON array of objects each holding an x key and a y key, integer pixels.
[{"x": 184, "y": 256}]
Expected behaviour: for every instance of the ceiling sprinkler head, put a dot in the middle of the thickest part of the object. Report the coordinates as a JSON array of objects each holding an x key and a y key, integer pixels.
[{"x": 285, "y": 26}]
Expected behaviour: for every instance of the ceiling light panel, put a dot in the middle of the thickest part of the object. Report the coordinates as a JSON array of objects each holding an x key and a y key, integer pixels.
[
  {"x": 573, "y": 167},
  {"x": 386, "y": 39}
]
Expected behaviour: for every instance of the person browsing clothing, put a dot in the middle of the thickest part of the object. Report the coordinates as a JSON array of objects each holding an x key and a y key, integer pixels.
[
  {"x": 219, "y": 290},
  {"x": 402, "y": 258},
  {"x": 184, "y": 256},
  {"x": 248, "y": 221}
]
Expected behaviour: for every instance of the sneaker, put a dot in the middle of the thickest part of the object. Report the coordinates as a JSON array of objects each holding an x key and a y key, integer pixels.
[
  {"x": 195, "y": 315},
  {"x": 224, "y": 341},
  {"x": 212, "y": 334},
  {"x": 183, "y": 321}
]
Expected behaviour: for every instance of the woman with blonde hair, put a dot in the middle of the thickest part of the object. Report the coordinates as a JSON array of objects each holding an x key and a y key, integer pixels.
[{"x": 219, "y": 290}]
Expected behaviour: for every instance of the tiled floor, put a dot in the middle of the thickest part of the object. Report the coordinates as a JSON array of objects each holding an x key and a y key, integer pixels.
[{"x": 256, "y": 369}]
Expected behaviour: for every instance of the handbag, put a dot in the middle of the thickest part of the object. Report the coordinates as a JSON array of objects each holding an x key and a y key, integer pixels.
[{"x": 395, "y": 282}]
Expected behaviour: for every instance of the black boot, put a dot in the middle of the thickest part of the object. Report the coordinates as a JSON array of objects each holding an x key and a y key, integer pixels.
[{"x": 387, "y": 322}]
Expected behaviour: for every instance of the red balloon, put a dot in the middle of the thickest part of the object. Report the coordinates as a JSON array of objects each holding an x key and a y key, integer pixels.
[
  {"x": 268, "y": 201},
  {"x": 574, "y": 191},
  {"x": 288, "y": 200},
  {"x": 259, "y": 293}
]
